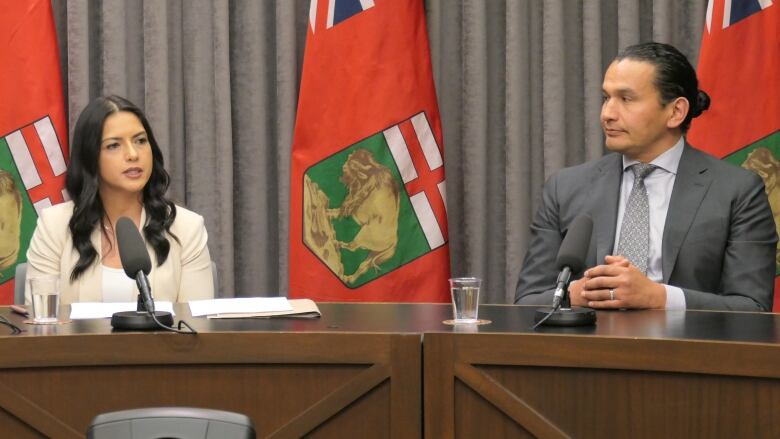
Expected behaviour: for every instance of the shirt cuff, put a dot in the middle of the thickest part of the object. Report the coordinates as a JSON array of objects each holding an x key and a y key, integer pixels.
[{"x": 675, "y": 298}]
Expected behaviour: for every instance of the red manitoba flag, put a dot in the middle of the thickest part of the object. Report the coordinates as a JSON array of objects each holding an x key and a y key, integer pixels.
[
  {"x": 368, "y": 219},
  {"x": 33, "y": 134},
  {"x": 739, "y": 67}
]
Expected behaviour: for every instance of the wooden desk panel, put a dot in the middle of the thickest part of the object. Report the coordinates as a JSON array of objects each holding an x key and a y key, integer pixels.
[
  {"x": 289, "y": 383},
  {"x": 356, "y": 372},
  {"x": 636, "y": 374}
]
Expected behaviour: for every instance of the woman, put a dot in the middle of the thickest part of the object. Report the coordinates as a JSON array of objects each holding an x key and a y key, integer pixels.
[{"x": 116, "y": 170}]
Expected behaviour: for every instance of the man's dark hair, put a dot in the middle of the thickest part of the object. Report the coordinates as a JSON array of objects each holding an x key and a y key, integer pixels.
[{"x": 674, "y": 76}]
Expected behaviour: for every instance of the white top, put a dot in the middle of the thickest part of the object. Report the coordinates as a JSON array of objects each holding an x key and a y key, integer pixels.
[
  {"x": 659, "y": 184},
  {"x": 117, "y": 287}
]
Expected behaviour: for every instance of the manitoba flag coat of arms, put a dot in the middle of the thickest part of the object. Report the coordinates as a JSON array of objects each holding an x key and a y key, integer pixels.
[
  {"x": 739, "y": 67},
  {"x": 368, "y": 219},
  {"x": 33, "y": 142}
]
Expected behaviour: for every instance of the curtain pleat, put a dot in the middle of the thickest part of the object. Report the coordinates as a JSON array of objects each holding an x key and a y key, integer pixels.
[{"x": 518, "y": 83}]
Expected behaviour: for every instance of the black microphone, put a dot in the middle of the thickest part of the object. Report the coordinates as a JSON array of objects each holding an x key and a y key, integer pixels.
[
  {"x": 572, "y": 254},
  {"x": 134, "y": 257},
  {"x": 137, "y": 265},
  {"x": 570, "y": 261}
]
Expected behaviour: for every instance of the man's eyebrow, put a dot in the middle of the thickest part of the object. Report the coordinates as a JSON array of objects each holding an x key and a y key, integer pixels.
[{"x": 621, "y": 91}]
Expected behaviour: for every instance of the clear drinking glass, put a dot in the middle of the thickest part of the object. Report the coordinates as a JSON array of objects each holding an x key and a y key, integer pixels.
[
  {"x": 465, "y": 299},
  {"x": 45, "y": 292}
]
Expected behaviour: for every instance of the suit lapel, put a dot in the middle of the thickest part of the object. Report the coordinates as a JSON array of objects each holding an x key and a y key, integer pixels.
[
  {"x": 690, "y": 186},
  {"x": 606, "y": 191}
]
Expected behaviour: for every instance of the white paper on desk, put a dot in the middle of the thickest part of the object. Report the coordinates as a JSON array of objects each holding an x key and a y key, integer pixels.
[
  {"x": 239, "y": 305},
  {"x": 101, "y": 310}
]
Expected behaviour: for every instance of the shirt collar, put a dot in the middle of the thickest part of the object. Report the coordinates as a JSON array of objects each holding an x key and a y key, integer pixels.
[{"x": 668, "y": 161}]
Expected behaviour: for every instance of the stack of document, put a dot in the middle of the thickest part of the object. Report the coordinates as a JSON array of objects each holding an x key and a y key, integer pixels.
[{"x": 244, "y": 307}]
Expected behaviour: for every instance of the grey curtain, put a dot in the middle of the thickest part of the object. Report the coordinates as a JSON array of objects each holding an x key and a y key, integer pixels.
[{"x": 518, "y": 81}]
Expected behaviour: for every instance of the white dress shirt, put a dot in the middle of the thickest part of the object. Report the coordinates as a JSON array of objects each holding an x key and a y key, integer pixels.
[
  {"x": 117, "y": 287},
  {"x": 659, "y": 184}
]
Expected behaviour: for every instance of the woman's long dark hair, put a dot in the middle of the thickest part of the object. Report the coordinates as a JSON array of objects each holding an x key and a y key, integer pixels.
[{"x": 82, "y": 182}]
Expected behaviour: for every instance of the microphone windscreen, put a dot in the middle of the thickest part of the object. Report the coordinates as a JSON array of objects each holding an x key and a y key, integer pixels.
[
  {"x": 574, "y": 248},
  {"x": 132, "y": 250}
]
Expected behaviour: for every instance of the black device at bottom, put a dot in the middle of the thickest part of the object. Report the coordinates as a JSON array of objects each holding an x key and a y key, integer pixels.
[
  {"x": 566, "y": 316},
  {"x": 137, "y": 320}
]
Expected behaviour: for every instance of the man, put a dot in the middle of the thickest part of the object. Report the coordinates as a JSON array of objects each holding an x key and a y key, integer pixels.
[
  {"x": 673, "y": 227},
  {"x": 10, "y": 220}
]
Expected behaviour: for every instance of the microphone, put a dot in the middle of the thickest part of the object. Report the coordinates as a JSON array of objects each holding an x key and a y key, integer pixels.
[
  {"x": 135, "y": 259},
  {"x": 570, "y": 261},
  {"x": 137, "y": 265},
  {"x": 572, "y": 254}
]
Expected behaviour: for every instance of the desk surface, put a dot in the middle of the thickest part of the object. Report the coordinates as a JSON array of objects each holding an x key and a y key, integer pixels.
[
  {"x": 356, "y": 371},
  {"x": 427, "y": 318}
]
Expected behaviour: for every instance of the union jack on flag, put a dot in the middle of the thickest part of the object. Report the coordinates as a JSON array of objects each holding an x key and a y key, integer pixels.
[
  {"x": 737, "y": 10},
  {"x": 338, "y": 10}
]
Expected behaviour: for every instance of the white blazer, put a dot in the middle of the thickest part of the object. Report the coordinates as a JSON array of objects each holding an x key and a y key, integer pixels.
[{"x": 185, "y": 275}]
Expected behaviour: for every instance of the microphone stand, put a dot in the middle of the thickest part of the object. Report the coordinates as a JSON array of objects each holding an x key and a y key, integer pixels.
[
  {"x": 564, "y": 314},
  {"x": 136, "y": 264},
  {"x": 141, "y": 319},
  {"x": 144, "y": 317}
]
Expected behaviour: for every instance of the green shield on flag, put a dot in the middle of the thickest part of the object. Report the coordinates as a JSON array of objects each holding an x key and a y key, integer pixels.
[
  {"x": 13, "y": 241},
  {"x": 763, "y": 158},
  {"x": 357, "y": 216}
]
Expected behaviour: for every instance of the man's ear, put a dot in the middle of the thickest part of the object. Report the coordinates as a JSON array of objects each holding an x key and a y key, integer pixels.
[{"x": 680, "y": 108}]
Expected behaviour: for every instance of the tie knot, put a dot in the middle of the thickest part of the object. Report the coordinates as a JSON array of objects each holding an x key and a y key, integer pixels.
[{"x": 641, "y": 170}]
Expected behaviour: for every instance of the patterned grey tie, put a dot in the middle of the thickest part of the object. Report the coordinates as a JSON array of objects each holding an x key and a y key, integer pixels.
[{"x": 635, "y": 231}]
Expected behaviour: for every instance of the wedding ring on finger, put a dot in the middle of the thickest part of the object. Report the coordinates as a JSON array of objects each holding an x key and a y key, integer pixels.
[{"x": 611, "y": 294}]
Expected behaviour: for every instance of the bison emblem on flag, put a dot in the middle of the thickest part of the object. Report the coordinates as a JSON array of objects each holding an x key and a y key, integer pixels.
[
  {"x": 761, "y": 158},
  {"x": 377, "y": 204}
]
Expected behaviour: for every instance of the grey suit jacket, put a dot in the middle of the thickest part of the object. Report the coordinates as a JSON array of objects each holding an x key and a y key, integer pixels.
[{"x": 718, "y": 243}]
